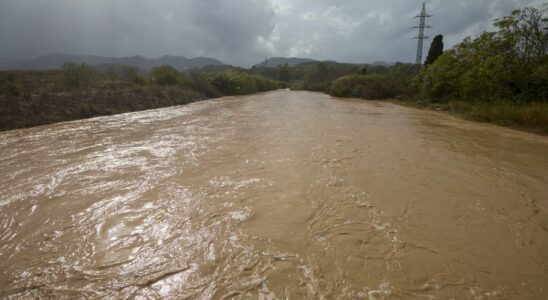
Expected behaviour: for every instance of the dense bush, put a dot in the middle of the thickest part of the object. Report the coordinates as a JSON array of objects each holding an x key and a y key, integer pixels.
[
  {"x": 389, "y": 84},
  {"x": 29, "y": 98},
  {"x": 201, "y": 84},
  {"x": 338, "y": 78},
  {"x": 509, "y": 64},
  {"x": 132, "y": 74},
  {"x": 363, "y": 86},
  {"x": 8, "y": 84},
  {"x": 9, "y": 88},
  {"x": 298, "y": 85},
  {"x": 76, "y": 75},
  {"x": 167, "y": 75},
  {"x": 233, "y": 82}
]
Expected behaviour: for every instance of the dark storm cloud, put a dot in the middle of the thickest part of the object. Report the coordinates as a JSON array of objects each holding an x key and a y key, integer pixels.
[
  {"x": 223, "y": 29},
  {"x": 238, "y": 32}
]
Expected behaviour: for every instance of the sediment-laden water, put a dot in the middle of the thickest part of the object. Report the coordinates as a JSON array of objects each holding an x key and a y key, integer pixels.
[{"x": 282, "y": 195}]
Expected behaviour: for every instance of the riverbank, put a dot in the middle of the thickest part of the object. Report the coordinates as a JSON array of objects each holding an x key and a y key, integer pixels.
[
  {"x": 31, "y": 98},
  {"x": 530, "y": 117},
  {"x": 46, "y": 108}
]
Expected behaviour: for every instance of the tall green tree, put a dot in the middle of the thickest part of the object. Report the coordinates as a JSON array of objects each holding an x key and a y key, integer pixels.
[
  {"x": 526, "y": 31},
  {"x": 436, "y": 50},
  {"x": 321, "y": 73},
  {"x": 508, "y": 64},
  {"x": 283, "y": 72}
]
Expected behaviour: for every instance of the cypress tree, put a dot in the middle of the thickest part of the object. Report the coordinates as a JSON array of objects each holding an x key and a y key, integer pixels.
[{"x": 436, "y": 49}]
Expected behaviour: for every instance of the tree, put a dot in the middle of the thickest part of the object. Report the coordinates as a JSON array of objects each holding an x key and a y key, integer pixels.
[
  {"x": 527, "y": 32},
  {"x": 283, "y": 72},
  {"x": 165, "y": 75},
  {"x": 436, "y": 49},
  {"x": 322, "y": 72},
  {"x": 508, "y": 64}
]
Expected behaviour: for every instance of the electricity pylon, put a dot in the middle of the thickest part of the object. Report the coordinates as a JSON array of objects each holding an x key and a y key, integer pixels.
[{"x": 421, "y": 37}]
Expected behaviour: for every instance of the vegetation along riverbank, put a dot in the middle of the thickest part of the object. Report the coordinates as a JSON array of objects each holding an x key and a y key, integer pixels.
[
  {"x": 499, "y": 77},
  {"x": 76, "y": 91}
]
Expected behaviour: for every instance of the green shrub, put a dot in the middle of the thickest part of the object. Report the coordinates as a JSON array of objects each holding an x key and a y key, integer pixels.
[
  {"x": 76, "y": 75},
  {"x": 508, "y": 64},
  {"x": 201, "y": 84},
  {"x": 132, "y": 74},
  {"x": 10, "y": 88},
  {"x": 233, "y": 82},
  {"x": 298, "y": 85},
  {"x": 530, "y": 116},
  {"x": 167, "y": 75},
  {"x": 364, "y": 86}
]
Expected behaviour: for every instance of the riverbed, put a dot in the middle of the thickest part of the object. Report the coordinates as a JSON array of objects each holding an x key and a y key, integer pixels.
[{"x": 281, "y": 195}]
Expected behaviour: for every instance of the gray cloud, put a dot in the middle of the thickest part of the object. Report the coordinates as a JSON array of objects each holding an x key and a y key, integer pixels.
[{"x": 238, "y": 32}]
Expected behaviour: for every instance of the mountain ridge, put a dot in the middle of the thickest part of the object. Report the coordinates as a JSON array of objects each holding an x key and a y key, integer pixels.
[
  {"x": 56, "y": 60},
  {"x": 290, "y": 61}
]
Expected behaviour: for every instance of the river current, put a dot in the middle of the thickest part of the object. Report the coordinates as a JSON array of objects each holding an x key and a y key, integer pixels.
[{"x": 281, "y": 195}]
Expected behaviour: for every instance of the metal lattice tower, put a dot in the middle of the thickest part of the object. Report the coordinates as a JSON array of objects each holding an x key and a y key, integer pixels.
[{"x": 421, "y": 37}]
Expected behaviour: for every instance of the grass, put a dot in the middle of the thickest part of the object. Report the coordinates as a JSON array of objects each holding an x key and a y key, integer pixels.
[
  {"x": 531, "y": 117},
  {"x": 32, "y": 98}
]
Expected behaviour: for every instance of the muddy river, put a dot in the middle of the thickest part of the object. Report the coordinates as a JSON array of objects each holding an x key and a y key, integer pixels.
[{"x": 282, "y": 195}]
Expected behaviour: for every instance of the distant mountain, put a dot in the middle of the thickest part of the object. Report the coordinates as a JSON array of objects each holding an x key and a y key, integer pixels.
[
  {"x": 383, "y": 63},
  {"x": 8, "y": 63},
  {"x": 275, "y": 61},
  {"x": 56, "y": 60}
]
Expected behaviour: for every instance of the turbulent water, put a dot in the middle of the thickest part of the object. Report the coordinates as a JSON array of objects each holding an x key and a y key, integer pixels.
[{"x": 283, "y": 195}]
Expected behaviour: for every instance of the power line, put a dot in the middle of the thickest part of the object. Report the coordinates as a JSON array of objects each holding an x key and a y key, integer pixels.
[{"x": 421, "y": 37}]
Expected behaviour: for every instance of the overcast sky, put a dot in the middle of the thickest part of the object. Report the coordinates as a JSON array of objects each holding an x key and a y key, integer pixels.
[{"x": 239, "y": 32}]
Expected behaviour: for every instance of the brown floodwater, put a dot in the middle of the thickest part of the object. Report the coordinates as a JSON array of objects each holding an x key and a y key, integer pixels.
[{"x": 282, "y": 195}]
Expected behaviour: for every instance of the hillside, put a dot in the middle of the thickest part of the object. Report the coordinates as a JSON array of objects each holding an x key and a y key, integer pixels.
[{"x": 290, "y": 61}]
